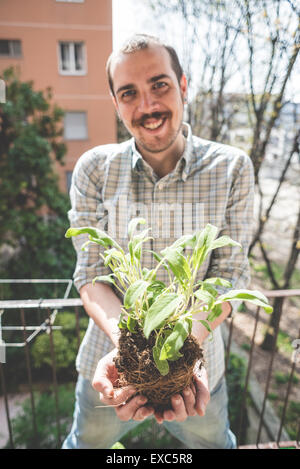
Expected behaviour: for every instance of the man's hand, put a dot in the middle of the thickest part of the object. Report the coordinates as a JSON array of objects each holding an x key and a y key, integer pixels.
[
  {"x": 193, "y": 400},
  {"x": 126, "y": 406}
]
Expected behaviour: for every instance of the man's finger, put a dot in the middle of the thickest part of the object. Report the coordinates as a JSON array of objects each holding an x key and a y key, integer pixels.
[
  {"x": 119, "y": 396},
  {"x": 103, "y": 385},
  {"x": 189, "y": 401},
  {"x": 179, "y": 408},
  {"x": 202, "y": 395},
  {"x": 128, "y": 410}
]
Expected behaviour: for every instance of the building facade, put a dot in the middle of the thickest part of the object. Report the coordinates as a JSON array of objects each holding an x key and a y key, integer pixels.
[{"x": 64, "y": 44}]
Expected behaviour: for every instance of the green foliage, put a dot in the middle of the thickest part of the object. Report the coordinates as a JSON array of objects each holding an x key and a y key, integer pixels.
[
  {"x": 117, "y": 445},
  {"x": 45, "y": 411},
  {"x": 64, "y": 341},
  {"x": 235, "y": 378},
  {"x": 283, "y": 378},
  {"x": 149, "y": 434},
  {"x": 291, "y": 421},
  {"x": 284, "y": 343},
  {"x": 166, "y": 310},
  {"x": 33, "y": 212}
]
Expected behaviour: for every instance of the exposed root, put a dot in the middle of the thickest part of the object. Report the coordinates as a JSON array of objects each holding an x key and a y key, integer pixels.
[{"x": 136, "y": 367}]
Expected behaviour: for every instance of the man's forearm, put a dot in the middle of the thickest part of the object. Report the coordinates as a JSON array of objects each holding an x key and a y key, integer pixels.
[
  {"x": 103, "y": 306},
  {"x": 200, "y": 331}
]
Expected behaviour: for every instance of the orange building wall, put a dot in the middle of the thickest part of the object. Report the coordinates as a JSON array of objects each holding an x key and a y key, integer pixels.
[{"x": 40, "y": 25}]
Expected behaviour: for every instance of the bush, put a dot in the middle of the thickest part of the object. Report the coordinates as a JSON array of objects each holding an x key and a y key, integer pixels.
[
  {"x": 64, "y": 340},
  {"x": 45, "y": 411}
]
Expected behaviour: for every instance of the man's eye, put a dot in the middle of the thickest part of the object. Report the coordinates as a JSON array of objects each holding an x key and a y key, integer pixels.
[
  {"x": 160, "y": 84},
  {"x": 128, "y": 94}
]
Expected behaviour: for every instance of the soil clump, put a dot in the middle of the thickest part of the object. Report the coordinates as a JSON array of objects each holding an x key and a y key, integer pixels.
[{"x": 136, "y": 366}]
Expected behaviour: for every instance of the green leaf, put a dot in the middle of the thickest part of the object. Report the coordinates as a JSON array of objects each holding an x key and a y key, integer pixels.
[
  {"x": 131, "y": 324},
  {"x": 96, "y": 235},
  {"x": 205, "y": 296},
  {"x": 175, "y": 341},
  {"x": 112, "y": 253},
  {"x": 253, "y": 296},
  {"x": 162, "y": 365},
  {"x": 134, "y": 292},
  {"x": 162, "y": 308},
  {"x": 222, "y": 282},
  {"x": 223, "y": 241},
  {"x": 133, "y": 224},
  {"x": 117, "y": 445},
  {"x": 183, "y": 241},
  {"x": 122, "y": 322},
  {"x": 104, "y": 278},
  {"x": 177, "y": 263},
  {"x": 214, "y": 313},
  {"x": 205, "y": 324},
  {"x": 204, "y": 240}
]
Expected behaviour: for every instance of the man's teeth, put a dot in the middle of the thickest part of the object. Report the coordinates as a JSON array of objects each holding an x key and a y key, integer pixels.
[{"x": 153, "y": 125}]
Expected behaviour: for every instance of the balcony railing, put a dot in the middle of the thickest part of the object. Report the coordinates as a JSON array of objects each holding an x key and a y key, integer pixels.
[{"x": 270, "y": 424}]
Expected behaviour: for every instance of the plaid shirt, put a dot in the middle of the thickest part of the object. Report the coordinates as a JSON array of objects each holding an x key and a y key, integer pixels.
[{"x": 211, "y": 183}]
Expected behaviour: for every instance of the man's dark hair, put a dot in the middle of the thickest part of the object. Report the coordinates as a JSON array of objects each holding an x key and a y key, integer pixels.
[{"x": 140, "y": 42}]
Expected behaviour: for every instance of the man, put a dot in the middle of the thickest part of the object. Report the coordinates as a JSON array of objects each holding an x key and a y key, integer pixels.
[{"x": 163, "y": 165}]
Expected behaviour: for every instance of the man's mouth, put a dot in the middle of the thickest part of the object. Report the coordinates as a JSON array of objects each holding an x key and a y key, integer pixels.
[
  {"x": 153, "y": 121},
  {"x": 153, "y": 125}
]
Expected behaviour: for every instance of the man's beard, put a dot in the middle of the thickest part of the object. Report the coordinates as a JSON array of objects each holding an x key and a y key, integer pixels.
[{"x": 159, "y": 146}]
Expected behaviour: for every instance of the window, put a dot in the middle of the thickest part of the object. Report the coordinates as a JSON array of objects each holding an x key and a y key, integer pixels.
[
  {"x": 72, "y": 58},
  {"x": 75, "y": 126},
  {"x": 10, "y": 48}
]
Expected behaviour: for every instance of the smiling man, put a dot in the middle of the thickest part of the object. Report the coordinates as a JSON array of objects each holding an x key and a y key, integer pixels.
[{"x": 162, "y": 165}]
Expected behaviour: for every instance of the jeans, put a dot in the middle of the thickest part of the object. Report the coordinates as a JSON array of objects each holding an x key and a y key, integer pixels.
[{"x": 100, "y": 428}]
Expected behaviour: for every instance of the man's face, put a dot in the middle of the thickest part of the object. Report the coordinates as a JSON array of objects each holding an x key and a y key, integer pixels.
[{"x": 149, "y": 99}]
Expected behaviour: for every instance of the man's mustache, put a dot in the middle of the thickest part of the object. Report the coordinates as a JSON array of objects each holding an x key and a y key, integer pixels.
[{"x": 153, "y": 115}]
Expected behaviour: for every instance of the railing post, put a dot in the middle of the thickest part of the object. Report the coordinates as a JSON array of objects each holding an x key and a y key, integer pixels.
[
  {"x": 6, "y": 407},
  {"x": 268, "y": 379},
  {"x": 26, "y": 347},
  {"x": 52, "y": 351},
  {"x": 242, "y": 409},
  {"x": 227, "y": 353}
]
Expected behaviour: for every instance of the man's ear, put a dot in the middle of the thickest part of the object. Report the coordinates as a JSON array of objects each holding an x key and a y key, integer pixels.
[{"x": 183, "y": 87}]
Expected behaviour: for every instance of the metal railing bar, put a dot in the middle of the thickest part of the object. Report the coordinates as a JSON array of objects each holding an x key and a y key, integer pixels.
[
  {"x": 268, "y": 378},
  {"x": 29, "y": 380},
  {"x": 245, "y": 390},
  {"x": 44, "y": 304},
  {"x": 68, "y": 289},
  {"x": 52, "y": 351},
  {"x": 281, "y": 293},
  {"x": 289, "y": 386},
  {"x": 35, "y": 280},
  {"x": 227, "y": 353},
  {"x": 28, "y": 328},
  {"x": 11, "y": 441}
]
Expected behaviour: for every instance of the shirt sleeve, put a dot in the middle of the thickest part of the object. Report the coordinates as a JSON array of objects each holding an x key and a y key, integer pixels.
[
  {"x": 87, "y": 210},
  {"x": 228, "y": 262}
]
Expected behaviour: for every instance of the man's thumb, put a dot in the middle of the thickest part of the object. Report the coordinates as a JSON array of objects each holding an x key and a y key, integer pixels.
[{"x": 104, "y": 386}]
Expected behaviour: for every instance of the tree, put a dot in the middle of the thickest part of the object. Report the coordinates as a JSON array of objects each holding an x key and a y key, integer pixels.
[
  {"x": 33, "y": 212},
  {"x": 228, "y": 45}
]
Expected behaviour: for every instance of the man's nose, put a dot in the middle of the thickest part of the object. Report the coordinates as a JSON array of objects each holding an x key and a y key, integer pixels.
[{"x": 147, "y": 103}]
